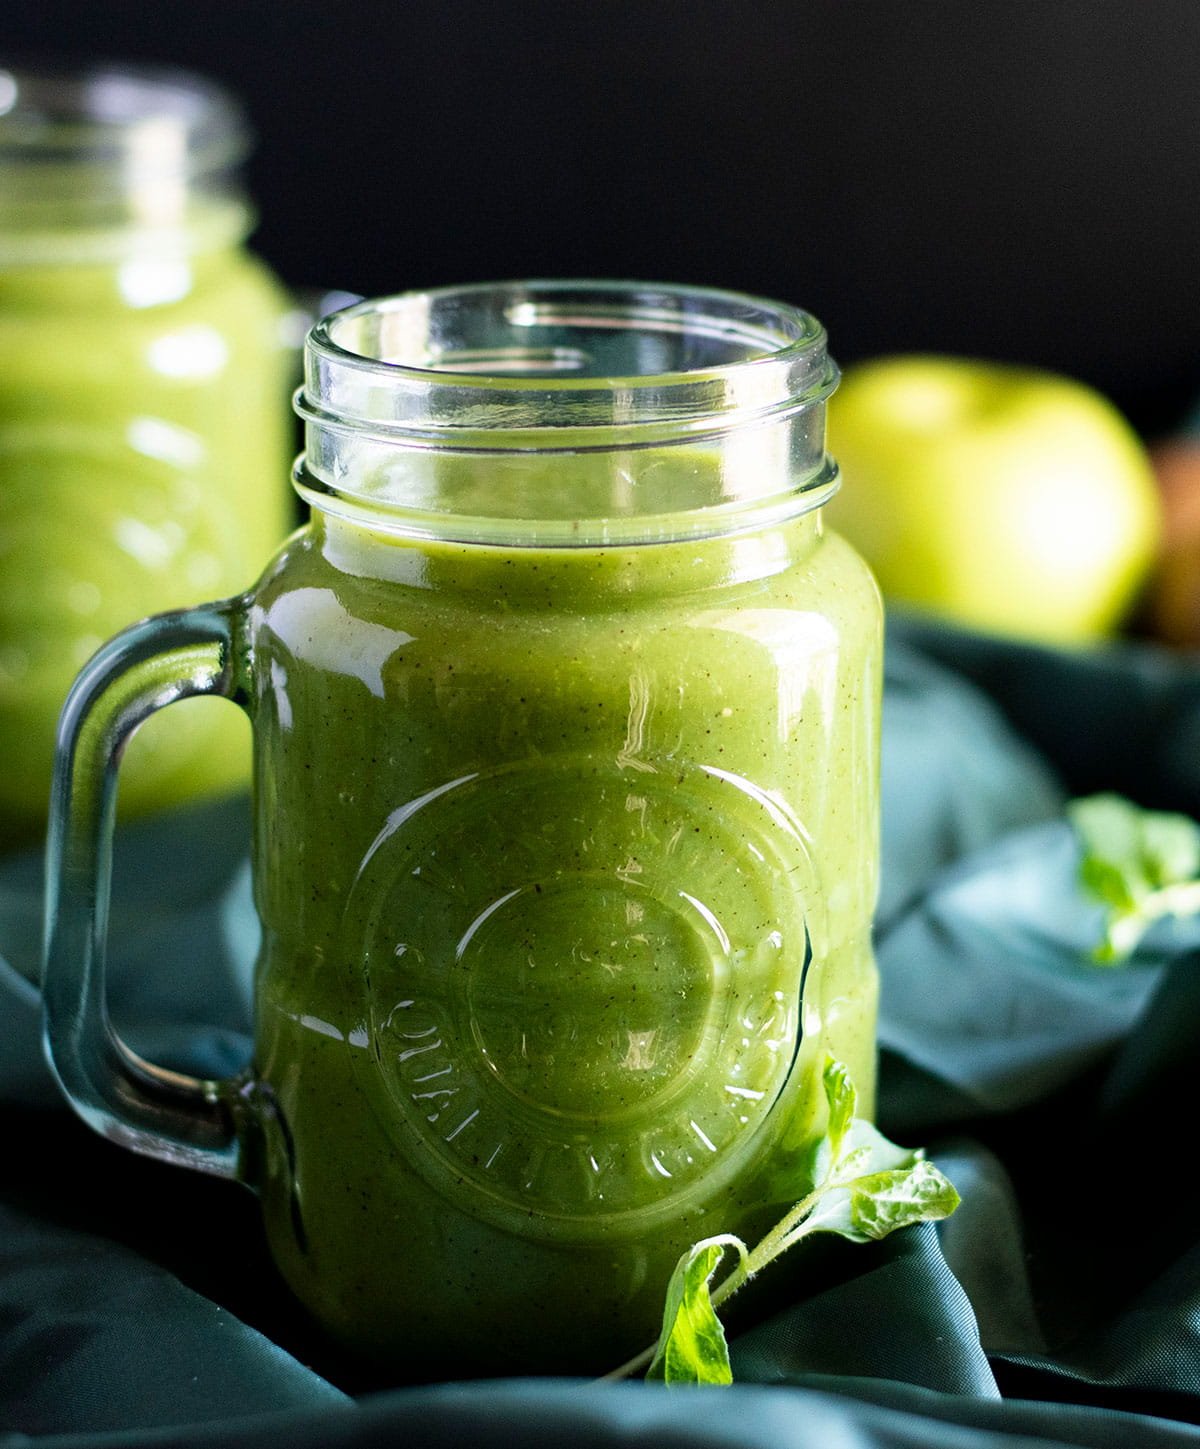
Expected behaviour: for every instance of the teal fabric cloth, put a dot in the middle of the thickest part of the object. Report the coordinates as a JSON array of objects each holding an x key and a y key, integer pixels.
[{"x": 1059, "y": 1306}]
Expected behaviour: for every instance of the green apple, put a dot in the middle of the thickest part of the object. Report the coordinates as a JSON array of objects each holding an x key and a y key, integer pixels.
[{"x": 1004, "y": 498}]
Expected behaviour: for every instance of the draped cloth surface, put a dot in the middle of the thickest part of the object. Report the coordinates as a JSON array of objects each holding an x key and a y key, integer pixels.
[{"x": 1060, "y": 1305}]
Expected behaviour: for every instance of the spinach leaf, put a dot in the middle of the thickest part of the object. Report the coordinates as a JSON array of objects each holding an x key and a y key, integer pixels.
[
  {"x": 691, "y": 1348},
  {"x": 843, "y": 1103},
  {"x": 1140, "y": 865},
  {"x": 898, "y": 1198}
]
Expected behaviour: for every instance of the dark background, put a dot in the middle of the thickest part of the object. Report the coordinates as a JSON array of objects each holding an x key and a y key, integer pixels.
[{"x": 1019, "y": 180}]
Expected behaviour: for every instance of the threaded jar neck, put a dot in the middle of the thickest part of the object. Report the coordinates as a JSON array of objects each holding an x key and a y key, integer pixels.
[{"x": 572, "y": 412}]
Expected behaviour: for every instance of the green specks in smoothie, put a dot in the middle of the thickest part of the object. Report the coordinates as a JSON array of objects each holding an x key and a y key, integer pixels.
[
  {"x": 576, "y": 1000},
  {"x": 537, "y": 1085}
]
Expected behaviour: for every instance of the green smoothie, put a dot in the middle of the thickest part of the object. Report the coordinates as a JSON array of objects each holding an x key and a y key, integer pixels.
[
  {"x": 566, "y": 859},
  {"x": 144, "y": 432}
]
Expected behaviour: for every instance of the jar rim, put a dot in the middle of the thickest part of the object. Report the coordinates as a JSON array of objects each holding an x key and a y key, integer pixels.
[
  {"x": 397, "y": 367},
  {"x": 144, "y": 121},
  {"x": 558, "y": 301}
]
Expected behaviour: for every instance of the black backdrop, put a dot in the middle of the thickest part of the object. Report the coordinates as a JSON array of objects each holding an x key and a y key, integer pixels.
[{"x": 1018, "y": 180}]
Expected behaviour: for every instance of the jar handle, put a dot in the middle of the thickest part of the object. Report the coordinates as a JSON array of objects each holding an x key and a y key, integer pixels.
[{"x": 161, "y": 1113}]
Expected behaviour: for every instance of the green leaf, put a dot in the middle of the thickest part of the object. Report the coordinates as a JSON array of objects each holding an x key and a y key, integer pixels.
[
  {"x": 870, "y": 1207},
  {"x": 815, "y": 1165},
  {"x": 886, "y": 1201},
  {"x": 691, "y": 1348},
  {"x": 1141, "y": 865},
  {"x": 795, "y": 1173},
  {"x": 1170, "y": 847},
  {"x": 843, "y": 1103},
  {"x": 1109, "y": 836}
]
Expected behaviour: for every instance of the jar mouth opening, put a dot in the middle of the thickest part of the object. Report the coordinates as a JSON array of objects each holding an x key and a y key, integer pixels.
[
  {"x": 560, "y": 364},
  {"x": 139, "y": 123},
  {"x": 560, "y": 335}
]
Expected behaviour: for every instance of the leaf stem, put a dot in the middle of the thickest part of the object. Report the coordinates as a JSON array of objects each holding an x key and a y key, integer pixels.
[
  {"x": 631, "y": 1366},
  {"x": 762, "y": 1253},
  {"x": 743, "y": 1270}
]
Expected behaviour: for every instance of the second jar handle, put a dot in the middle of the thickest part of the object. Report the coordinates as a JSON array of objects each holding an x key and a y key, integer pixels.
[{"x": 183, "y": 1119}]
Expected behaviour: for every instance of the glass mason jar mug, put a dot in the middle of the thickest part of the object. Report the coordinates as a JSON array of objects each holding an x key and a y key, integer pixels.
[
  {"x": 144, "y": 431},
  {"x": 565, "y": 711}
]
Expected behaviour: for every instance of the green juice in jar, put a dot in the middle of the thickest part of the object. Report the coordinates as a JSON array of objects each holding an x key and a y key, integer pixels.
[
  {"x": 143, "y": 422},
  {"x": 555, "y": 833}
]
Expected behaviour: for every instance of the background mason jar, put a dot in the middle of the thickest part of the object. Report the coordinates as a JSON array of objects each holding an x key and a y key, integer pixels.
[{"x": 143, "y": 422}]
